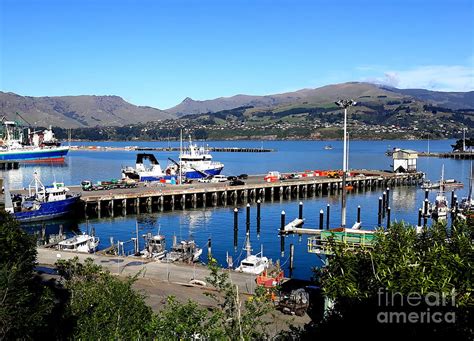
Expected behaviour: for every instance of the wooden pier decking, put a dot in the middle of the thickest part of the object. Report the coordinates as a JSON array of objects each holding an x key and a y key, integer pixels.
[{"x": 169, "y": 197}]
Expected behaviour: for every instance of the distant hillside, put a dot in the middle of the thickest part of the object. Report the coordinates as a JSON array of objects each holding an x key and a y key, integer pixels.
[
  {"x": 77, "y": 111},
  {"x": 325, "y": 94}
]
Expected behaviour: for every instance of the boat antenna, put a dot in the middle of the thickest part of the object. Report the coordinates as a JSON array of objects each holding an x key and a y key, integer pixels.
[{"x": 470, "y": 185}]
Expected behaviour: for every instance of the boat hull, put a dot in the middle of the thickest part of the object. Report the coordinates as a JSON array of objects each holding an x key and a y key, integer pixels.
[
  {"x": 34, "y": 154},
  {"x": 48, "y": 210},
  {"x": 196, "y": 175}
]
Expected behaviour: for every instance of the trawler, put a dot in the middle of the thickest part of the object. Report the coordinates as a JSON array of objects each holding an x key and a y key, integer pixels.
[
  {"x": 440, "y": 208},
  {"x": 18, "y": 145},
  {"x": 43, "y": 203}
]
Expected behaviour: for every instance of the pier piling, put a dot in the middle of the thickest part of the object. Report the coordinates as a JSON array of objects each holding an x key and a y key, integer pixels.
[
  {"x": 384, "y": 203},
  {"x": 379, "y": 218},
  {"x": 328, "y": 209},
  {"x": 209, "y": 251},
  {"x": 388, "y": 196},
  {"x": 388, "y": 217},
  {"x": 358, "y": 214},
  {"x": 321, "y": 219},
  {"x": 419, "y": 216},
  {"x": 427, "y": 192},
  {"x": 258, "y": 216},
  {"x": 300, "y": 210}
]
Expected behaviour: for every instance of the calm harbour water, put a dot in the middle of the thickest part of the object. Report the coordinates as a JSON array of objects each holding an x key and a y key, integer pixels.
[{"x": 217, "y": 223}]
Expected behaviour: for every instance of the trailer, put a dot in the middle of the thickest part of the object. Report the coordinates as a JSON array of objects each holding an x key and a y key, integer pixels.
[{"x": 88, "y": 185}]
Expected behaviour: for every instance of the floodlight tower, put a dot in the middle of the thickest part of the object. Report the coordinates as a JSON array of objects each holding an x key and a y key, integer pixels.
[{"x": 344, "y": 103}]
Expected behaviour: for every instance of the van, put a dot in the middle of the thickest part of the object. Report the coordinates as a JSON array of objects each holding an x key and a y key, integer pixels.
[{"x": 218, "y": 178}]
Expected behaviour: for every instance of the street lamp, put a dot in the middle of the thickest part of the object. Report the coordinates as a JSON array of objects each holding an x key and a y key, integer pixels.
[{"x": 344, "y": 103}]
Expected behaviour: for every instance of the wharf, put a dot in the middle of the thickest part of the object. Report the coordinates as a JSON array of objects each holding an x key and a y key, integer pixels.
[
  {"x": 176, "y": 273},
  {"x": 160, "y": 197},
  {"x": 173, "y": 149},
  {"x": 452, "y": 155}
]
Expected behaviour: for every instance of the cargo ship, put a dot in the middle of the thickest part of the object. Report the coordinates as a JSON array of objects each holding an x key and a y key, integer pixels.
[{"x": 24, "y": 145}]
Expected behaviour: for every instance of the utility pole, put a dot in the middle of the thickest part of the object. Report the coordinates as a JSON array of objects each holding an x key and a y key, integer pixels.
[{"x": 344, "y": 103}]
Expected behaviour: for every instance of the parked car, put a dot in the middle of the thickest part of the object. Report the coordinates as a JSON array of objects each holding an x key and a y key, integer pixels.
[
  {"x": 243, "y": 176},
  {"x": 237, "y": 182},
  {"x": 272, "y": 176},
  {"x": 206, "y": 179},
  {"x": 218, "y": 178},
  {"x": 231, "y": 178}
]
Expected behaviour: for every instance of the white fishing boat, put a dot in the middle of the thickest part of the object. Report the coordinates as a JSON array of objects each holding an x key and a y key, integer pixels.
[
  {"x": 143, "y": 172},
  {"x": 185, "y": 251},
  {"x": 195, "y": 162},
  {"x": 155, "y": 247},
  {"x": 82, "y": 243},
  {"x": 253, "y": 264},
  {"x": 440, "y": 208}
]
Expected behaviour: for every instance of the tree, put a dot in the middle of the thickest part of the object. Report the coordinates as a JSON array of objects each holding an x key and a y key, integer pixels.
[
  {"x": 401, "y": 264},
  {"x": 25, "y": 304},
  {"x": 458, "y": 146},
  {"x": 102, "y": 306}
]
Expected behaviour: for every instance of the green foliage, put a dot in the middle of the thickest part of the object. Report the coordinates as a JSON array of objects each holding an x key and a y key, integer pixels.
[
  {"x": 24, "y": 303},
  {"x": 102, "y": 306},
  {"x": 437, "y": 260},
  {"x": 184, "y": 321},
  {"x": 244, "y": 324}
]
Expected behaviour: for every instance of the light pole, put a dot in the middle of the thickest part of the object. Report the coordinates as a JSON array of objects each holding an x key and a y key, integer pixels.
[{"x": 344, "y": 103}]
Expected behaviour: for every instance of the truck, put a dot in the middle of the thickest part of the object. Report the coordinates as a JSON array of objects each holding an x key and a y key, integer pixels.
[{"x": 88, "y": 185}]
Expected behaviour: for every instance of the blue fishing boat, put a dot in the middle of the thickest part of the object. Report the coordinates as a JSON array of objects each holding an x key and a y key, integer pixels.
[
  {"x": 43, "y": 203},
  {"x": 18, "y": 145}
]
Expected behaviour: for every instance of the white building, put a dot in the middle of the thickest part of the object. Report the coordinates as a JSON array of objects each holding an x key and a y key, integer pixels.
[{"x": 404, "y": 160}]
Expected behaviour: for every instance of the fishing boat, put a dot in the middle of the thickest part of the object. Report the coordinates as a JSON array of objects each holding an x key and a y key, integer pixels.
[
  {"x": 16, "y": 145},
  {"x": 82, "y": 243},
  {"x": 151, "y": 172},
  {"x": 328, "y": 147},
  {"x": 195, "y": 162},
  {"x": 467, "y": 203},
  {"x": 448, "y": 183},
  {"x": 440, "y": 208},
  {"x": 253, "y": 264},
  {"x": 185, "y": 251},
  {"x": 155, "y": 246},
  {"x": 43, "y": 203}
]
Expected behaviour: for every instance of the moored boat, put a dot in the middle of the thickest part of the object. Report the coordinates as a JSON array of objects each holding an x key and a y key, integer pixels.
[
  {"x": 15, "y": 145},
  {"x": 186, "y": 251},
  {"x": 155, "y": 246},
  {"x": 82, "y": 243},
  {"x": 253, "y": 264},
  {"x": 43, "y": 203},
  {"x": 153, "y": 172}
]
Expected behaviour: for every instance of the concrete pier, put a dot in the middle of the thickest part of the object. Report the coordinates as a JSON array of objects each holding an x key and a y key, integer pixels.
[{"x": 149, "y": 198}]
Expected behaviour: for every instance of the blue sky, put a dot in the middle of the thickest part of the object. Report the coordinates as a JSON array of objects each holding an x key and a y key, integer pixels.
[{"x": 159, "y": 52}]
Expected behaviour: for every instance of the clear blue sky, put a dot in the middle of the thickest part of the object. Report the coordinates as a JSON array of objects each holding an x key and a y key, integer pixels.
[{"x": 159, "y": 52}]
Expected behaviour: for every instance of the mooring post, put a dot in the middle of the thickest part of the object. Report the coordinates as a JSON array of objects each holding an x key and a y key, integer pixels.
[
  {"x": 358, "y": 214},
  {"x": 292, "y": 258},
  {"x": 384, "y": 202},
  {"x": 379, "y": 221},
  {"x": 321, "y": 219},
  {"x": 452, "y": 199},
  {"x": 328, "y": 209},
  {"x": 282, "y": 223},
  {"x": 420, "y": 213},
  {"x": 427, "y": 192},
  {"x": 259, "y": 203},
  {"x": 388, "y": 197},
  {"x": 236, "y": 219},
  {"x": 425, "y": 207},
  {"x": 247, "y": 219},
  {"x": 300, "y": 210},
  {"x": 455, "y": 200},
  {"x": 388, "y": 217}
]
